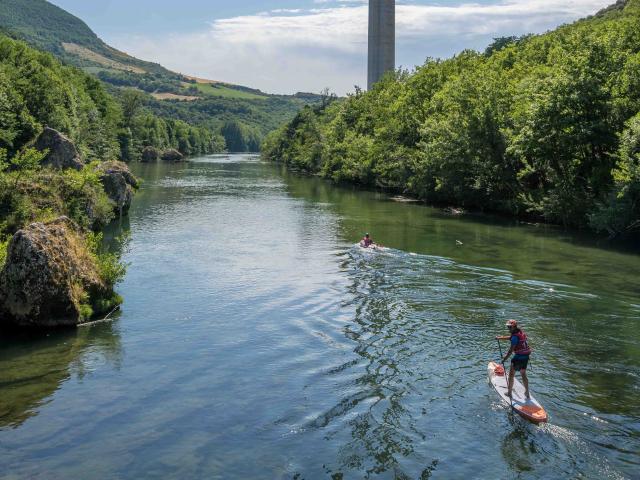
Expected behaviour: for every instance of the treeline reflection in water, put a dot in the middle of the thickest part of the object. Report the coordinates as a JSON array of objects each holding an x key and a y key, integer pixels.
[{"x": 35, "y": 365}]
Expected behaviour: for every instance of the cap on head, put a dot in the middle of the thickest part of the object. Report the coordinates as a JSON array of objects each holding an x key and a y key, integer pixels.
[
  {"x": 511, "y": 323},
  {"x": 366, "y": 234}
]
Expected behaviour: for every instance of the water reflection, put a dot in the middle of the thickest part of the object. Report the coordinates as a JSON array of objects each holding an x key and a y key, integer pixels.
[{"x": 33, "y": 368}]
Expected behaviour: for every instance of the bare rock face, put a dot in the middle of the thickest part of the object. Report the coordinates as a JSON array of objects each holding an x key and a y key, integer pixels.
[
  {"x": 62, "y": 153},
  {"x": 150, "y": 155},
  {"x": 172, "y": 155},
  {"x": 119, "y": 184},
  {"x": 48, "y": 277}
]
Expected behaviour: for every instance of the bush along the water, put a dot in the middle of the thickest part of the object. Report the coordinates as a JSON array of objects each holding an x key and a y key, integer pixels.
[
  {"x": 33, "y": 199},
  {"x": 542, "y": 126}
]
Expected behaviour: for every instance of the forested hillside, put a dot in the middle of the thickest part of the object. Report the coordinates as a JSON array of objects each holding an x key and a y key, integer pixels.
[
  {"x": 243, "y": 115},
  {"x": 50, "y": 28},
  {"x": 543, "y": 126},
  {"x": 36, "y": 90}
]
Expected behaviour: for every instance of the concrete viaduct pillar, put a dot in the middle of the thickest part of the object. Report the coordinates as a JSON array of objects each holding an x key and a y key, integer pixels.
[{"x": 382, "y": 39}]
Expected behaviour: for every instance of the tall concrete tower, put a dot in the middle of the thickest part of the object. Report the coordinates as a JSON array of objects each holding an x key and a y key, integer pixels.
[{"x": 382, "y": 39}]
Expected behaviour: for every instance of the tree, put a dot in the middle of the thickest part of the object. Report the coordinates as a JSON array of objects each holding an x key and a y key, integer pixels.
[
  {"x": 621, "y": 214},
  {"x": 132, "y": 101}
]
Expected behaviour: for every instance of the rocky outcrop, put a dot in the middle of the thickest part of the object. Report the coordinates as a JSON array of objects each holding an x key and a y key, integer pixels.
[
  {"x": 62, "y": 153},
  {"x": 49, "y": 278},
  {"x": 150, "y": 155},
  {"x": 119, "y": 184},
  {"x": 172, "y": 155}
]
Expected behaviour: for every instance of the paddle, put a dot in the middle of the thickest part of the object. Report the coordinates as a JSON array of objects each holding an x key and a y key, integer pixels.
[{"x": 505, "y": 373}]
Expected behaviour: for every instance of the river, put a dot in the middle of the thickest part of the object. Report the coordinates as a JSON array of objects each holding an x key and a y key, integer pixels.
[{"x": 257, "y": 341}]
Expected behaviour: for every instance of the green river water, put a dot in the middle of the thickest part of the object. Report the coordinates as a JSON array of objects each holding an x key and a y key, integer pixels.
[{"x": 257, "y": 341}]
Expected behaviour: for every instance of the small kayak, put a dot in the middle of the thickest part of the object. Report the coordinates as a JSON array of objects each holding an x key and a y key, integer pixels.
[{"x": 526, "y": 408}]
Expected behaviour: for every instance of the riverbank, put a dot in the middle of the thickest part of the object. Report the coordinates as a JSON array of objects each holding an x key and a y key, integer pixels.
[
  {"x": 54, "y": 271},
  {"x": 60, "y": 184}
]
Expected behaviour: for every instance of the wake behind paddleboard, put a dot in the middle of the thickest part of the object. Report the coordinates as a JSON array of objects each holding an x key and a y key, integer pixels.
[
  {"x": 373, "y": 248},
  {"x": 527, "y": 408}
]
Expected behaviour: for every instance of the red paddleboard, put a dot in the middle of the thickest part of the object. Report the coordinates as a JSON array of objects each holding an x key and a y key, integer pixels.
[{"x": 527, "y": 408}]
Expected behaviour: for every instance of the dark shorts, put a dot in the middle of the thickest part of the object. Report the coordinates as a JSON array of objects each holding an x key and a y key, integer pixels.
[{"x": 519, "y": 362}]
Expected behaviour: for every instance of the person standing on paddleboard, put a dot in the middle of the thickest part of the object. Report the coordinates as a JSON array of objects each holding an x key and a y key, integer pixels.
[{"x": 521, "y": 350}]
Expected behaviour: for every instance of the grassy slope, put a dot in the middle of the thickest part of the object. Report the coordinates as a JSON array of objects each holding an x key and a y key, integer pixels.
[
  {"x": 47, "y": 27},
  {"x": 221, "y": 90},
  {"x": 51, "y": 28}
]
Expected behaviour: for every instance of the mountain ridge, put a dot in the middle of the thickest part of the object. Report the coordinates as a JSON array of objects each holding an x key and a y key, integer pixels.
[{"x": 51, "y": 28}]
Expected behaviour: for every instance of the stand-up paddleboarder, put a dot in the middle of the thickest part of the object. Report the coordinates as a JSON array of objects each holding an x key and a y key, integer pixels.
[{"x": 521, "y": 350}]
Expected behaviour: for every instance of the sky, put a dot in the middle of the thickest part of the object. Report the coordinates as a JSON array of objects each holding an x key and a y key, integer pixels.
[{"x": 287, "y": 46}]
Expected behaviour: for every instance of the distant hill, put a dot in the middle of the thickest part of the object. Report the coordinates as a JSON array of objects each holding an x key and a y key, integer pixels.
[
  {"x": 171, "y": 95},
  {"x": 50, "y": 28}
]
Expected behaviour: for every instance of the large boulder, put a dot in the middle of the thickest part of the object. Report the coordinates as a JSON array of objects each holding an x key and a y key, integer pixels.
[
  {"x": 49, "y": 278},
  {"x": 119, "y": 184},
  {"x": 150, "y": 155},
  {"x": 172, "y": 155},
  {"x": 62, "y": 153}
]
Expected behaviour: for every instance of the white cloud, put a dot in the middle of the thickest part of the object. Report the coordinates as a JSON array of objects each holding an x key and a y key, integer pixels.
[{"x": 292, "y": 50}]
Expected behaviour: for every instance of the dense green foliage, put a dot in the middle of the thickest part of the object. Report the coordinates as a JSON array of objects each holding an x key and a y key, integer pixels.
[
  {"x": 254, "y": 118},
  {"x": 31, "y": 193},
  {"x": 37, "y": 90},
  {"x": 142, "y": 128},
  {"x": 148, "y": 82},
  {"x": 540, "y": 126}
]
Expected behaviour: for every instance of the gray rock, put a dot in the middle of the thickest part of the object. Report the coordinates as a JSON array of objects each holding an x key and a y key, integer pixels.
[
  {"x": 62, "y": 153},
  {"x": 48, "y": 276},
  {"x": 150, "y": 155},
  {"x": 172, "y": 155},
  {"x": 119, "y": 184}
]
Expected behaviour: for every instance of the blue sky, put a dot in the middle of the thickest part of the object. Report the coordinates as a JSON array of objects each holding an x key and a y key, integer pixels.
[{"x": 284, "y": 46}]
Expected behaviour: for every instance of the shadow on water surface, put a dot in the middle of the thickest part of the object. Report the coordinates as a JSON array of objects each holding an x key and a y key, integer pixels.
[{"x": 34, "y": 366}]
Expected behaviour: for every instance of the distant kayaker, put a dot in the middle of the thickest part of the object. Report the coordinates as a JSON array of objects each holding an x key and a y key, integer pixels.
[
  {"x": 521, "y": 350},
  {"x": 367, "y": 242}
]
